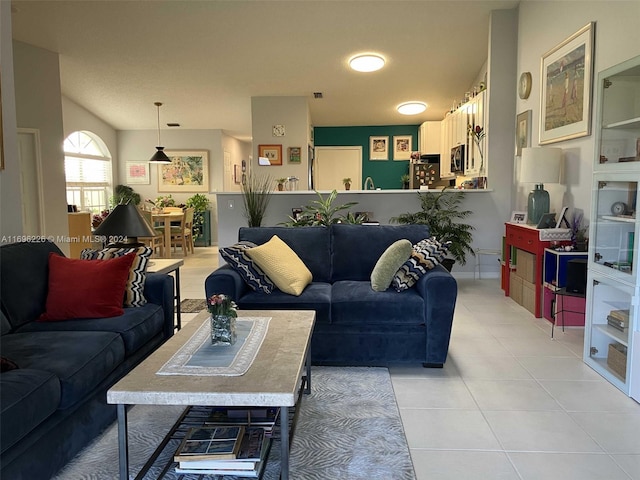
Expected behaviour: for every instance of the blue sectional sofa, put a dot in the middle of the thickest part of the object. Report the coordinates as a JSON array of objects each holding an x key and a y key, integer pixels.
[
  {"x": 355, "y": 325},
  {"x": 55, "y": 402}
]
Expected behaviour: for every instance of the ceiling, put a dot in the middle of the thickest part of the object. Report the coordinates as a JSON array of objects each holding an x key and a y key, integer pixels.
[{"x": 206, "y": 59}]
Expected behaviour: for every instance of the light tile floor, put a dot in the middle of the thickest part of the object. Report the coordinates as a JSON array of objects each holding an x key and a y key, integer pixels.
[{"x": 510, "y": 403}]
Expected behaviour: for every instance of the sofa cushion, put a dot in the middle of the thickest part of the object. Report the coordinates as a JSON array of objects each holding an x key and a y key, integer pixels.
[
  {"x": 388, "y": 264},
  {"x": 237, "y": 258},
  {"x": 26, "y": 264},
  {"x": 426, "y": 255},
  {"x": 316, "y": 296},
  {"x": 136, "y": 326},
  {"x": 80, "y": 360},
  {"x": 357, "y": 248},
  {"x": 134, "y": 293},
  {"x": 311, "y": 244},
  {"x": 282, "y": 266},
  {"x": 6, "y": 364},
  {"x": 27, "y": 397},
  {"x": 354, "y": 302},
  {"x": 85, "y": 288}
]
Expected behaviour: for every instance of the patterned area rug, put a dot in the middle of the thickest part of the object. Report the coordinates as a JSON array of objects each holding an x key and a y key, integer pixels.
[
  {"x": 349, "y": 428},
  {"x": 193, "y": 305}
]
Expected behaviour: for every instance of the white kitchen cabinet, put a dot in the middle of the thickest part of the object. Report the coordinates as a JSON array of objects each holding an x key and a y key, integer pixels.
[{"x": 429, "y": 136}]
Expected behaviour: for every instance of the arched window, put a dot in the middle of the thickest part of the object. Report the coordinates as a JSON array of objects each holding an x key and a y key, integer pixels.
[{"x": 87, "y": 166}]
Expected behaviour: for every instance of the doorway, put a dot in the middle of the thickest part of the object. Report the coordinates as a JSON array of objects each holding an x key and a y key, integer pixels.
[
  {"x": 332, "y": 164},
  {"x": 31, "y": 181}
]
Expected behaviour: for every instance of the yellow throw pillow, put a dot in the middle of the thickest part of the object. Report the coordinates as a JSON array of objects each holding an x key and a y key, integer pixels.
[{"x": 281, "y": 265}]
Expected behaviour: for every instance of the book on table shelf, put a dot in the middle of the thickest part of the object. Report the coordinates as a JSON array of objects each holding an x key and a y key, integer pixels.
[
  {"x": 260, "y": 416},
  {"x": 252, "y": 451},
  {"x": 221, "y": 442}
]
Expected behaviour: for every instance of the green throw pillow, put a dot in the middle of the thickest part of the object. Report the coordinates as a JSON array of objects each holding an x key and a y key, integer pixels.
[{"x": 389, "y": 263}]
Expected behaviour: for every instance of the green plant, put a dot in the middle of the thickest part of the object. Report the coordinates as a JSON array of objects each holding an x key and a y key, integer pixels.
[
  {"x": 256, "y": 193},
  {"x": 323, "y": 212},
  {"x": 200, "y": 204},
  {"x": 405, "y": 178},
  {"x": 124, "y": 194},
  {"x": 440, "y": 211},
  {"x": 165, "y": 201},
  {"x": 346, "y": 180}
]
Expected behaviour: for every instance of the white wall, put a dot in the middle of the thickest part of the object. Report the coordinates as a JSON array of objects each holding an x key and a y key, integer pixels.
[
  {"x": 39, "y": 106},
  {"x": 542, "y": 26},
  {"x": 293, "y": 113},
  {"x": 10, "y": 223}
]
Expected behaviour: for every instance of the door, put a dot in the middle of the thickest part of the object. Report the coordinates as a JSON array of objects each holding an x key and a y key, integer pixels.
[
  {"x": 332, "y": 164},
  {"x": 31, "y": 181}
]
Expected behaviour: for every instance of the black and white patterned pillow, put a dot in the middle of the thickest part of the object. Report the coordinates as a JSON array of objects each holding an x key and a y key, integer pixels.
[
  {"x": 426, "y": 255},
  {"x": 134, "y": 293},
  {"x": 236, "y": 256}
]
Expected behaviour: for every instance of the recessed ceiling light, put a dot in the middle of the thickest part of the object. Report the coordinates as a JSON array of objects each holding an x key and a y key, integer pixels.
[
  {"x": 411, "y": 108},
  {"x": 366, "y": 62}
]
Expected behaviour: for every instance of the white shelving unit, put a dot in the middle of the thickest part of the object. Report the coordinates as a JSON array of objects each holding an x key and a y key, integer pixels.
[{"x": 613, "y": 285}]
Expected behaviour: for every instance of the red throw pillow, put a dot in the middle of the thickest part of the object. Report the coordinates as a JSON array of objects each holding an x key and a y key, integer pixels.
[{"x": 85, "y": 288}]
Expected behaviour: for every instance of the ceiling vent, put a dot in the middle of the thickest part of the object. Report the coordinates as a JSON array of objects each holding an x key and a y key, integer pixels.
[{"x": 317, "y": 94}]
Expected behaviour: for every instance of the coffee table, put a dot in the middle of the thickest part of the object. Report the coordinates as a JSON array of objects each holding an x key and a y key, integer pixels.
[{"x": 280, "y": 370}]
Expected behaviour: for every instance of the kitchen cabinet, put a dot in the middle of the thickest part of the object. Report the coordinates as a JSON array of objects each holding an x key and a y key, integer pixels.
[
  {"x": 429, "y": 136},
  {"x": 474, "y": 166},
  {"x": 612, "y": 333}
]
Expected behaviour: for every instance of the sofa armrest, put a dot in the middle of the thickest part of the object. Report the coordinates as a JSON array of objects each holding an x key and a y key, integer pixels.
[
  {"x": 227, "y": 281},
  {"x": 440, "y": 291},
  {"x": 159, "y": 289}
]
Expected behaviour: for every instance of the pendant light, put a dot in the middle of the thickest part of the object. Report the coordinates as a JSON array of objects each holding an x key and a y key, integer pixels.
[{"x": 159, "y": 156}]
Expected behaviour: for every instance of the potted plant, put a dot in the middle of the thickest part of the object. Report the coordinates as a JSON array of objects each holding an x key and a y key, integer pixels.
[
  {"x": 405, "y": 181},
  {"x": 256, "y": 193},
  {"x": 200, "y": 205},
  {"x": 124, "y": 194},
  {"x": 280, "y": 182},
  {"x": 347, "y": 183},
  {"x": 323, "y": 212},
  {"x": 440, "y": 211}
]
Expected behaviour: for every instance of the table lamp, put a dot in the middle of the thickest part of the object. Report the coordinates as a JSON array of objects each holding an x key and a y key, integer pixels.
[
  {"x": 125, "y": 224},
  {"x": 540, "y": 165}
]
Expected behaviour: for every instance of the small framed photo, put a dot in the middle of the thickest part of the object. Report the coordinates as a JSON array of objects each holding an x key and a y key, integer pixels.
[
  {"x": 379, "y": 148},
  {"x": 270, "y": 155},
  {"x": 137, "y": 173},
  {"x": 518, "y": 217},
  {"x": 402, "y": 147},
  {"x": 295, "y": 154},
  {"x": 523, "y": 131}
]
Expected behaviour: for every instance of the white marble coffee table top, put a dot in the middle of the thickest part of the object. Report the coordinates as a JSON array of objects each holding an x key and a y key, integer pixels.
[{"x": 273, "y": 379}]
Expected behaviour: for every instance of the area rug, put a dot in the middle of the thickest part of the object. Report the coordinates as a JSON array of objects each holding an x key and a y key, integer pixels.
[
  {"x": 193, "y": 305},
  {"x": 348, "y": 428}
]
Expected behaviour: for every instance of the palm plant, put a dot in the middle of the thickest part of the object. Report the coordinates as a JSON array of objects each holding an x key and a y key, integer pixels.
[
  {"x": 256, "y": 194},
  {"x": 323, "y": 212},
  {"x": 440, "y": 211}
]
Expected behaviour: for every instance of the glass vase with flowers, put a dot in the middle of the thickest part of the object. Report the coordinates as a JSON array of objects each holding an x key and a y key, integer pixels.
[{"x": 223, "y": 312}]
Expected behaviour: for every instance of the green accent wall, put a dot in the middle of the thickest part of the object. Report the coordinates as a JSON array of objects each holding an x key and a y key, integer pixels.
[{"x": 385, "y": 173}]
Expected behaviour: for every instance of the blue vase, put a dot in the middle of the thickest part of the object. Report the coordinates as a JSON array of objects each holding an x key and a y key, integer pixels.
[{"x": 537, "y": 204}]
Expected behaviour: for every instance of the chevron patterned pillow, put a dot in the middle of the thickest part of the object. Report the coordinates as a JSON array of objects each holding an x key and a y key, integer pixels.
[
  {"x": 237, "y": 258},
  {"x": 426, "y": 255}
]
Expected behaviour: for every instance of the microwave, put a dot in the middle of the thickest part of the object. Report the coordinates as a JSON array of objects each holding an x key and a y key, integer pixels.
[{"x": 457, "y": 159}]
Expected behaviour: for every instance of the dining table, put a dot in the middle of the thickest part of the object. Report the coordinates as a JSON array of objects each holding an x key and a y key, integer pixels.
[{"x": 166, "y": 219}]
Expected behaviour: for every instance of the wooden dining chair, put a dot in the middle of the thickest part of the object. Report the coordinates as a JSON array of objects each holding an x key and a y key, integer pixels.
[
  {"x": 157, "y": 241},
  {"x": 182, "y": 234}
]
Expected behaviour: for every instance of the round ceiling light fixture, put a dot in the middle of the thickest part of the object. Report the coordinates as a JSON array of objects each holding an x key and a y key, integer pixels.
[
  {"x": 366, "y": 62},
  {"x": 411, "y": 108}
]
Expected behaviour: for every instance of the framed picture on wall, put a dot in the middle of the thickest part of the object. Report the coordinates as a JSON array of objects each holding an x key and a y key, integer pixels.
[
  {"x": 187, "y": 172},
  {"x": 402, "y": 147},
  {"x": 272, "y": 154},
  {"x": 295, "y": 154},
  {"x": 137, "y": 173},
  {"x": 565, "y": 100},
  {"x": 378, "y": 148},
  {"x": 523, "y": 131}
]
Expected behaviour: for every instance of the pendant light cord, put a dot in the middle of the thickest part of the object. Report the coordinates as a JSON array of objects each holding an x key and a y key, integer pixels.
[{"x": 158, "y": 104}]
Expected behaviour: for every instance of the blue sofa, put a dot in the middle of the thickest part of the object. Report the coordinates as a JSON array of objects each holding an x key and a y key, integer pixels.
[
  {"x": 355, "y": 325},
  {"x": 55, "y": 402}
]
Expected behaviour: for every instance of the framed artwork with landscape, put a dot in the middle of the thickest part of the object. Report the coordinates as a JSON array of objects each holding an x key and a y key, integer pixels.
[
  {"x": 187, "y": 172},
  {"x": 523, "y": 131},
  {"x": 566, "y": 79}
]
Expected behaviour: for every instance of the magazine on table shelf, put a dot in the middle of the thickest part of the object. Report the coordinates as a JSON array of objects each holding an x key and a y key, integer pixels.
[
  {"x": 207, "y": 442},
  {"x": 257, "y": 416}
]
